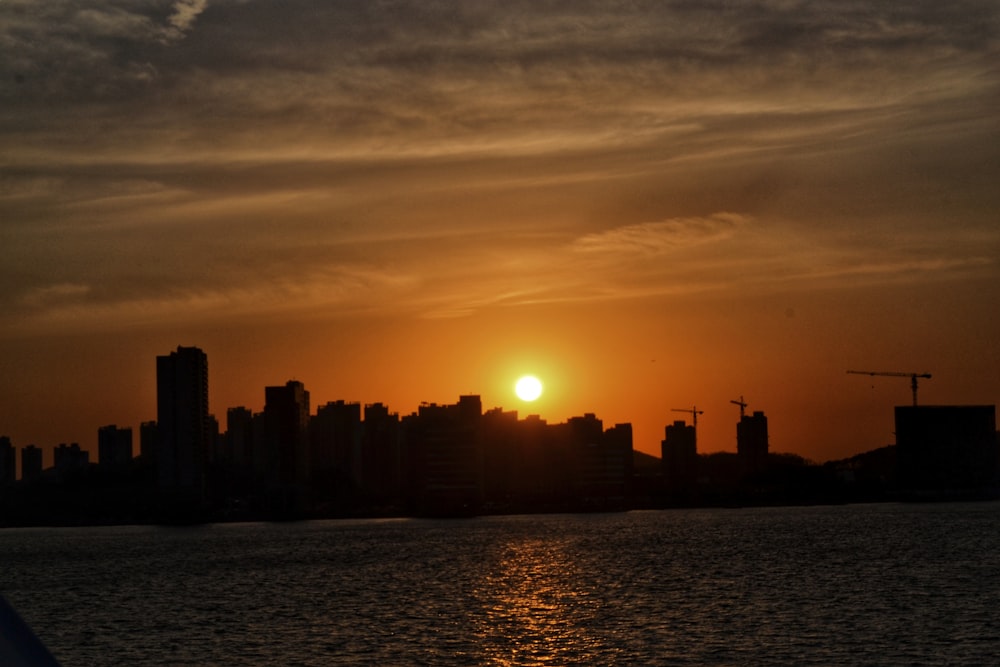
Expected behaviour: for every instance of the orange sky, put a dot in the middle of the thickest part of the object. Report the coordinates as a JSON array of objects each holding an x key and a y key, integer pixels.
[{"x": 648, "y": 205}]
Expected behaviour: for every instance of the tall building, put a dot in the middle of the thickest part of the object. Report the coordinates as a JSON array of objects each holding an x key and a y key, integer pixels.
[
  {"x": 444, "y": 446},
  {"x": 67, "y": 459},
  {"x": 31, "y": 463},
  {"x": 751, "y": 442},
  {"x": 382, "y": 462},
  {"x": 239, "y": 437},
  {"x": 505, "y": 462},
  {"x": 114, "y": 447},
  {"x": 8, "y": 461},
  {"x": 286, "y": 443},
  {"x": 335, "y": 446},
  {"x": 599, "y": 461},
  {"x": 947, "y": 449},
  {"x": 679, "y": 457},
  {"x": 147, "y": 442},
  {"x": 183, "y": 426},
  {"x": 611, "y": 473}
]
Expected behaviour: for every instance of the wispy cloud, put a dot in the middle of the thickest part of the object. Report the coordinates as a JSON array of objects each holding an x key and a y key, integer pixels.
[
  {"x": 58, "y": 295},
  {"x": 656, "y": 238},
  {"x": 482, "y": 155},
  {"x": 185, "y": 13}
]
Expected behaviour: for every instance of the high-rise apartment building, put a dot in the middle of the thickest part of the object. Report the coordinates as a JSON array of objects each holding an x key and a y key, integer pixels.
[
  {"x": 752, "y": 442},
  {"x": 679, "y": 457},
  {"x": 382, "y": 464},
  {"x": 31, "y": 463},
  {"x": 445, "y": 448},
  {"x": 68, "y": 459},
  {"x": 286, "y": 436},
  {"x": 114, "y": 447},
  {"x": 335, "y": 434},
  {"x": 147, "y": 442},
  {"x": 183, "y": 426},
  {"x": 239, "y": 438},
  {"x": 8, "y": 461}
]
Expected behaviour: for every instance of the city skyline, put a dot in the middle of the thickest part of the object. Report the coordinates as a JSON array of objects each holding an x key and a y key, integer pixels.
[
  {"x": 455, "y": 459},
  {"x": 188, "y": 366},
  {"x": 650, "y": 206}
]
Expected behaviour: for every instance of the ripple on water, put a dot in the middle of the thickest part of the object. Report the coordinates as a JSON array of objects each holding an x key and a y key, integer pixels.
[{"x": 885, "y": 585}]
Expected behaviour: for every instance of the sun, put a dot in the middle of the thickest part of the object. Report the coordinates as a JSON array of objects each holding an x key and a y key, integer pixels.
[{"x": 528, "y": 388}]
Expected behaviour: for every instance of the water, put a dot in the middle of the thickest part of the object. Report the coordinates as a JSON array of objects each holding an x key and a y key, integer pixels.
[{"x": 868, "y": 584}]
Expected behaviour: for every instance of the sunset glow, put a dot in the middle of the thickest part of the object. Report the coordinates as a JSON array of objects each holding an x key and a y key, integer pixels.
[{"x": 647, "y": 204}]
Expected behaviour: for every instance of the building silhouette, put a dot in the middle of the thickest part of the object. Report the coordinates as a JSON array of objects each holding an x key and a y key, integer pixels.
[
  {"x": 601, "y": 461},
  {"x": 335, "y": 444},
  {"x": 8, "y": 462},
  {"x": 445, "y": 457},
  {"x": 183, "y": 426},
  {"x": 383, "y": 465},
  {"x": 508, "y": 463},
  {"x": 114, "y": 447},
  {"x": 237, "y": 443},
  {"x": 679, "y": 457},
  {"x": 457, "y": 459},
  {"x": 69, "y": 458},
  {"x": 286, "y": 445},
  {"x": 752, "y": 443},
  {"x": 947, "y": 449},
  {"x": 147, "y": 442},
  {"x": 530, "y": 465},
  {"x": 31, "y": 463}
]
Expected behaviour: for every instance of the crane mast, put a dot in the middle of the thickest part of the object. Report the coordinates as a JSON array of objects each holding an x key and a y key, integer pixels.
[
  {"x": 743, "y": 405},
  {"x": 913, "y": 378}
]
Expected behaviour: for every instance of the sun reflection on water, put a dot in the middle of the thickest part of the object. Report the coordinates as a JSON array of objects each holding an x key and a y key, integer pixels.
[{"x": 535, "y": 611}]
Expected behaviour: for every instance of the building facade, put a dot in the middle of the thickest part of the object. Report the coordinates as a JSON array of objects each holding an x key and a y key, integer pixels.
[
  {"x": 31, "y": 463},
  {"x": 183, "y": 426},
  {"x": 679, "y": 457},
  {"x": 752, "y": 443},
  {"x": 114, "y": 447},
  {"x": 8, "y": 462}
]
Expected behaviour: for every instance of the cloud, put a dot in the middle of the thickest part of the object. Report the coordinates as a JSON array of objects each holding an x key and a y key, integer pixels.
[
  {"x": 313, "y": 293},
  {"x": 150, "y": 154},
  {"x": 185, "y": 13},
  {"x": 657, "y": 238},
  {"x": 58, "y": 295}
]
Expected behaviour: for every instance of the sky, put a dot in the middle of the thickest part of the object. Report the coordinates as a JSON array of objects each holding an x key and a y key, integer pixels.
[{"x": 652, "y": 206}]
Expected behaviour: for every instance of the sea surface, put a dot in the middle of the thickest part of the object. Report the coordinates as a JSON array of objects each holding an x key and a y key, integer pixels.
[{"x": 887, "y": 584}]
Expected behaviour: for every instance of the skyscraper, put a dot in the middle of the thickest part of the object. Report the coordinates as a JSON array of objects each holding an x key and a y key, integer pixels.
[
  {"x": 182, "y": 418},
  {"x": 239, "y": 438},
  {"x": 335, "y": 445},
  {"x": 679, "y": 457},
  {"x": 8, "y": 461},
  {"x": 445, "y": 446},
  {"x": 31, "y": 463},
  {"x": 286, "y": 441},
  {"x": 751, "y": 442},
  {"x": 147, "y": 442},
  {"x": 114, "y": 447}
]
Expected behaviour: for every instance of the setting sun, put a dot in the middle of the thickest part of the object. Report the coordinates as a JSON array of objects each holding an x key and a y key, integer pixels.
[{"x": 528, "y": 388}]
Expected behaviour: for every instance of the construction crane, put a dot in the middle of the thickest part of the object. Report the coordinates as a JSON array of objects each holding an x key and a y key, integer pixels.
[
  {"x": 913, "y": 378},
  {"x": 743, "y": 405},
  {"x": 694, "y": 413}
]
